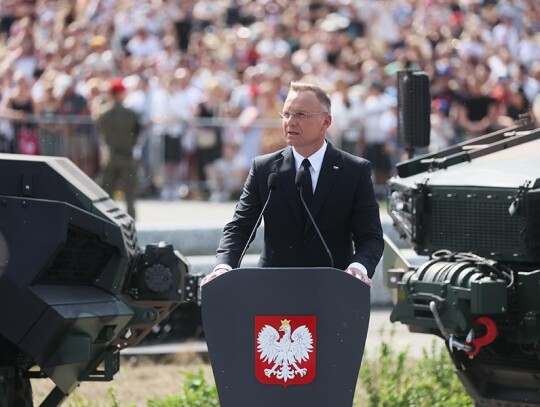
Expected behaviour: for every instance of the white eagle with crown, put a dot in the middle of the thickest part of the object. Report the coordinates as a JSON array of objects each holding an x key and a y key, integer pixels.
[{"x": 286, "y": 352}]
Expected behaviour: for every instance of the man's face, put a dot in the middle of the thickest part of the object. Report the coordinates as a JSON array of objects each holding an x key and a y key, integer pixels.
[{"x": 306, "y": 127}]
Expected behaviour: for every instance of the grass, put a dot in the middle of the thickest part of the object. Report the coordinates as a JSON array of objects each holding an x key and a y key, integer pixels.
[
  {"x": 139, "y": 379},
  {"x": 388, "y": 378}
]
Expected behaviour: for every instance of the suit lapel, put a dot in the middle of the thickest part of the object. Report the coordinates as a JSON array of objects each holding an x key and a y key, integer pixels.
[
  {"x": 330, "y": 169},
  {"x": 287, "y": 174}
]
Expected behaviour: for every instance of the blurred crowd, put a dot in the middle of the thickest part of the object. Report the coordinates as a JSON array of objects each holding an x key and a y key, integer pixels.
[{"x": 207, "y": 78}]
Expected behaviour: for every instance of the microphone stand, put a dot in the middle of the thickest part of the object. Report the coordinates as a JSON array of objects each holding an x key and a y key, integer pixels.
[
  {"x": 272, "y": 184},
  {"x": 300, "y": 177}
]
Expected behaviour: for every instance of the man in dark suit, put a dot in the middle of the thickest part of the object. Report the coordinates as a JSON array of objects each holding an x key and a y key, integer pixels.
[{"x": 343, "y": 203}]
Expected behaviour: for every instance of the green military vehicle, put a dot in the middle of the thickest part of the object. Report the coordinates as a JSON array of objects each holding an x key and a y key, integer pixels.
[
  {"x": 75, "y": 287},
  {"x": 471, "y": 212}
]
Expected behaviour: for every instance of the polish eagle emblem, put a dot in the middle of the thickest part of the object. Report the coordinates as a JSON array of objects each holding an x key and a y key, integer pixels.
[{"x": 284, "y": 354}]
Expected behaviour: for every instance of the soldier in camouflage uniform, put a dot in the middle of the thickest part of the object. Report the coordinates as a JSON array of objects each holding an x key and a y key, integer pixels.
[{"x": 120, "y": 129}]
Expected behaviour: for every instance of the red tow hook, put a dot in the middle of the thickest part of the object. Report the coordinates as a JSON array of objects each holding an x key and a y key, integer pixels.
[{"x": 491, "y": 334}]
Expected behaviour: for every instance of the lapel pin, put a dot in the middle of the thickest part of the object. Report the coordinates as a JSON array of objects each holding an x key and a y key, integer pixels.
[{"x": 335, "y": 167}]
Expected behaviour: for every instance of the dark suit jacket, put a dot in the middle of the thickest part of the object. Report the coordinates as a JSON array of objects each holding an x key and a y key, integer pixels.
[{"x": 344, "y": 208}]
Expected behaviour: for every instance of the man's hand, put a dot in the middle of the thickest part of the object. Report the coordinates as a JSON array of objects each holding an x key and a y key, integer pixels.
[
  {"x": 359, "y": 275},
  {"x": 212, "y": 275}
]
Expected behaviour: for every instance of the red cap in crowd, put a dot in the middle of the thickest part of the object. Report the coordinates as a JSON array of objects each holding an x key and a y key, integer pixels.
[{"x": 117, "y": 85}]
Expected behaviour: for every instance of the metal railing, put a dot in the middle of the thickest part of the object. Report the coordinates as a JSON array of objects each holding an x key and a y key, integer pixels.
[{"x": 77, "y": 138}]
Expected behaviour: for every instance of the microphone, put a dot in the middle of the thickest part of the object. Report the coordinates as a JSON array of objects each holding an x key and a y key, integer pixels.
[
  {"x": 272, "y": 184},
  {"x": 299, "y": 181}
]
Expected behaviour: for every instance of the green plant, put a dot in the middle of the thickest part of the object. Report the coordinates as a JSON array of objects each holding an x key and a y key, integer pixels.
[
  {"x": 196, "y": 392},
  {"x": 78, "y": 401},
  {"x": 388, "y": 378},
  {"x": 112, "y": 395},
  {"x": 391, "y": 379}
]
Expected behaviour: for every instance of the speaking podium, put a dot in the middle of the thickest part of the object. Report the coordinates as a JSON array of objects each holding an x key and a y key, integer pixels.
[{"x": 285, "y": 336}]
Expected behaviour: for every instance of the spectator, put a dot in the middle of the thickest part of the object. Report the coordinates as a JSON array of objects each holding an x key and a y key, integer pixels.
[
  {"x": 443, "y": 87},
  {"x": 515, "y": 107},
  {"x": 506, "y": 34},
  {"x": 242, "y": 95},
  {"x": 25, "y": 60},
  {"x": 225, "y": 175},
  {"x": 18, "y": 106},
  {"x": 143, "y": 44},
  {"x": 373, "y": 141},
  {"x": 272, "y": 42},
  {"x": 76, "y": 126},
  {"x": 46, "y": 110},
  {"x": 139, "y": 99},
  {"x": 166, "y": 130},
  {"x": 182, "y": 104},
  {"x": 477, "y": 113},
  {"x": 101, "y": 60},
  {"x": 251, "y": 133},
  {"x": 389, "y": 126},
  {"x": 269, "y": 106},
  {"x": 442, "y": 129},
  {"x": 96, "y": 96},
  {"x": 209, "y": 141},
  {"x": 345, "y": 110},
  {"x": 528, "y": 48},
  {"x": 183, "y": 24}
]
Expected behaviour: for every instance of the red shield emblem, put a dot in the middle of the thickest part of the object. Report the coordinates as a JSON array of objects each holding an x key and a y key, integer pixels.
[{"x": 285, "y": 349}]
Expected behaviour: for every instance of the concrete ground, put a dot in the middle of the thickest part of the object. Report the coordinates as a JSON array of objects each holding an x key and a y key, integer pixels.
[{"x": 185, "y": 211}]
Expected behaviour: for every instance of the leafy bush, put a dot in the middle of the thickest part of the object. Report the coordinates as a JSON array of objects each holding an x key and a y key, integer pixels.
[
  {"x": 77, "y": 401},
  {"x": 196, "y": 392},
  {"x": 391, "y": 379}
]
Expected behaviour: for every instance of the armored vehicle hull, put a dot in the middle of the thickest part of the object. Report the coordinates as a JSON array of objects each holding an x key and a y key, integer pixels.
[{"x": 473, "y": 211}]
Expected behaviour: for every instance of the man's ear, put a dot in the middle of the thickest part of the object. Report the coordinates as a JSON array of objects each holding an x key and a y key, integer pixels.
[{"x": 327, "y": 121}]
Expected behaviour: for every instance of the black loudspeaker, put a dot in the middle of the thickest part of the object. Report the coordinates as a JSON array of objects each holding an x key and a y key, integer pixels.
[{"x": 414, "y": 107}]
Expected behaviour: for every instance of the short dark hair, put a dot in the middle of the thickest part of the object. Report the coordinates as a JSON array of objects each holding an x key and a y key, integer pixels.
[{"x": 317, "y": 90}]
